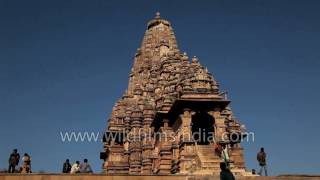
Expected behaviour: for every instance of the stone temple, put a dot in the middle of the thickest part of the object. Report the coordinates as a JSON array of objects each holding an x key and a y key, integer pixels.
[{"x": 172, "y": 105}]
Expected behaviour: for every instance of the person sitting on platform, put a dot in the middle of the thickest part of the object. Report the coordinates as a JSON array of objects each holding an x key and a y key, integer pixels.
[
  {"x": 26, "y": 167},
  {"x": 66, "y": 167},
  {"x": 75, "y": 168},
  {"x": 85, "y": 167}
]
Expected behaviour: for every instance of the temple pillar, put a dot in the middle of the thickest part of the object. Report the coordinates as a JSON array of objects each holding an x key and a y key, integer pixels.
[
  {"x": 135, "y": 142},
  {"x": 135, "y": 158},
  {"x": 219, "y": 126},
  {"x": 147, "y": 149},
  {"x": 148, "y": 141},
  {"x": 187, "y": 151},
  {"x": 175, "y": 158},
  {"x": 166, "y": 141},
  {"x": 146, "y": 158}
]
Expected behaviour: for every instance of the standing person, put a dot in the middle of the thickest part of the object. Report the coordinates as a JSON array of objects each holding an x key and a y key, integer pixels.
[
  {"x": 26, "y": 167},
  {"x": 261, "y": 157},
  {"x": 75, "y": 168},
  {"x": 85, "y": 167},
  {"x": 13, "y": 161},
  {"x": 225, "y": 155},
  {"x": 66, "y": 166},
  {"x": 225, "y": 173}
]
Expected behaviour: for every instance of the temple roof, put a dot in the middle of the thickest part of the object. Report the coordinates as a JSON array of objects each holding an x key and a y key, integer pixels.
[
  {"x": 161, "y": 74},
  {"x": 159, "y": 34},
  {"x": 157, "y": 20}
]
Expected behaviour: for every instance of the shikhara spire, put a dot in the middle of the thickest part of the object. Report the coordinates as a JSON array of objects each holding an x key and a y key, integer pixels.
[{"x": 169, "y": 93}]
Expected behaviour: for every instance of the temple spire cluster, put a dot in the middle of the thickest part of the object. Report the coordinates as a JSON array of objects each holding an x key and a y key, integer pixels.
[{"x": 169, "y": 93}]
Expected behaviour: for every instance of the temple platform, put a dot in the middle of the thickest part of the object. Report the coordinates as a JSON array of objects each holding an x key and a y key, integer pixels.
[{"x": 172, "y": 177}]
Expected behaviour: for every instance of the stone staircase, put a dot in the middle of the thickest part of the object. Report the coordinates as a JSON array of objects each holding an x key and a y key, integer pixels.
[{"x": 208, "y": 161}]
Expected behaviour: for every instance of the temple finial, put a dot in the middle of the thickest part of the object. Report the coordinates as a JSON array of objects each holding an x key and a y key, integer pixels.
[{"x": 157, "y": 15}]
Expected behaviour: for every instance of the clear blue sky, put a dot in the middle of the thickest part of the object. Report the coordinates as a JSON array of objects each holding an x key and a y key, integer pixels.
[{"x": 63, "y": 64}]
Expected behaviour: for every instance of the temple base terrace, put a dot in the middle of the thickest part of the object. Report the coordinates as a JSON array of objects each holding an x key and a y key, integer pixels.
[{"x": 141, "y": 177}]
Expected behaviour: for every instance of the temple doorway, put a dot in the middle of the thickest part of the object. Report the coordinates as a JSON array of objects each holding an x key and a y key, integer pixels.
[{"x": 202, "y": 128}]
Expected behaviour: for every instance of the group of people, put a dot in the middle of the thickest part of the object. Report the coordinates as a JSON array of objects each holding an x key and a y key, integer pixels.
[
  {"x": 14, "y": 159},
  {"x": 226, "y": 174},
  {"x": 76, "y": 167},
  {"x": 85, "y": 167}
]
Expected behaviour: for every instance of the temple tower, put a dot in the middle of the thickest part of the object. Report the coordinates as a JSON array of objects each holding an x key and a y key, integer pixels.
[{"x": 172, "y": 119}]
